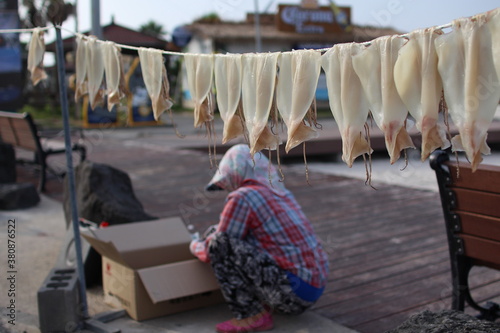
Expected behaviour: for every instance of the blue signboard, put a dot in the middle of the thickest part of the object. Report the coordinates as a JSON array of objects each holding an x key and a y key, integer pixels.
[
  {"x": 181, "y": 36},
  {"x": 10, "y": 58},
  {"x": 100, "y": 116}
]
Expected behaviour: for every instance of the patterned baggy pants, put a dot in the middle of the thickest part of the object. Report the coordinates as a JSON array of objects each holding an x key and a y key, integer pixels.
[{"x": 250, "y": 280}]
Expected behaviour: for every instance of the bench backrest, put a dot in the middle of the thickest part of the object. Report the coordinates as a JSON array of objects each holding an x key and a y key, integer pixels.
[
  {"x": 19, "y": 130},
  {"x": 471, "y": 205}
]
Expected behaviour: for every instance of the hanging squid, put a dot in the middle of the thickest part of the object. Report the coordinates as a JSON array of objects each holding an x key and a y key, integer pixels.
[
  {"x": 419, "y": 86},
  {"x": 115, "y": 77},
  {"x": 36, "y": 52},
  {"x": 347, "y": 100},
  {"x": 95, "y": 72},
  {"x": 200, "y": 69},
  {"x": 228, "y": 74},
  {"x": 259, "y": 80},
  {"x": 295, "y": 92},
  {"x": 374, "y": 65},
  {"x": 81, "y": 87},
  {"x": 471, "y": 84},
  {"x": 155, "y": 78},
  {"x": 493, "y": 22}
]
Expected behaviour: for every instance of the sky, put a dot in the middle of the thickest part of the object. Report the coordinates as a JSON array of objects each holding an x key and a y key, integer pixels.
[{"x": 404, "y": 15}]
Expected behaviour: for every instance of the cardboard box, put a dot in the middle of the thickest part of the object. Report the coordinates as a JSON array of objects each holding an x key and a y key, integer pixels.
[{"x": 148, "y": 270}]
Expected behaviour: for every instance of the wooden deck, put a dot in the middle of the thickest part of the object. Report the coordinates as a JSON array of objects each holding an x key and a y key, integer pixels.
[{"x": 387, "y": 247}]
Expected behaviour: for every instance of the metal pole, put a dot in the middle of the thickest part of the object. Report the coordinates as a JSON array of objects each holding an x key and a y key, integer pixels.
[
  {"x": 77, "y": 29},
  {"x": 96, "y": 18},
  {"x": 75, "y": 14},
  {"x": 70, "y": 172},
  {"x": 258, "y": 41}
]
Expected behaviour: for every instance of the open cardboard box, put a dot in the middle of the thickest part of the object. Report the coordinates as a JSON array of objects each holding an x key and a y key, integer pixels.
[{"x": 148, "y": 270}]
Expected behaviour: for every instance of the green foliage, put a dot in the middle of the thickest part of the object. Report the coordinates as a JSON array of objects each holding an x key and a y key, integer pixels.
[
  {"x": 152, "y": 28},
  {"x": 40, "y": 13},
  {"x": 49, "y": 116},
  {"x": 209, "y": 18},
  {"x": 46, "y": 111}
]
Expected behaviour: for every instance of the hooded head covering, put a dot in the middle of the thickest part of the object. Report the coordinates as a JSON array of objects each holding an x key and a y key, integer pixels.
[{"x": 237, "y": 166}]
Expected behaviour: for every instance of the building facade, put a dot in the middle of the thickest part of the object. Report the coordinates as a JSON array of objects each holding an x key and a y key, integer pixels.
[{"x": 292, "y": 27}]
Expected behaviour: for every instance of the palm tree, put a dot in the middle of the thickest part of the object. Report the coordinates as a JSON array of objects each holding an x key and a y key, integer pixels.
[
  {"x": 209, "y": 18},
  {"x": 41, "y": 12},
  {"x": 152, "y": 28}
]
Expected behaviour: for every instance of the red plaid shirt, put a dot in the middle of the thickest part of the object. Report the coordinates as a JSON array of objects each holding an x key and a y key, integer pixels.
[{"x": 275, "y": 224}]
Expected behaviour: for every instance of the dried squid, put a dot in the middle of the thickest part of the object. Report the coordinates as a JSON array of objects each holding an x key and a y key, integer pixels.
[
  {"x": 115, "y": 77},
  {"x": 36, "y": 52},
  {"x": 419, "y": 86},
  {"x": 81, "y": 87},
  {"x": 199, "y": 75},
  {"x": 228, "y": 74},
  {"x": 493, "y": 18},
  {"x": 155, "y": 79},
  {"x": 95, "y": 72},
  {"x": 471, "y": 85},
  {"x": 347, "y": 100},
  {"x": 375, "y": 66},
  {"x": 259, "y": 80},
  {"x": 295, "y": 91}
]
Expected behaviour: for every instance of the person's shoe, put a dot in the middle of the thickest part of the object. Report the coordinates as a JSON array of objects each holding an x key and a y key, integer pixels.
[{"x": 258, "y": 323}]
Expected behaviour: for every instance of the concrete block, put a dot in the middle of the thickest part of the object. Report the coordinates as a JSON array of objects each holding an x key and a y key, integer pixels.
[{"x": 59, "y": 308}]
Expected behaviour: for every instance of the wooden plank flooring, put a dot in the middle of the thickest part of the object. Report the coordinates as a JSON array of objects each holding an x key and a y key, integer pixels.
[{"x": 387, "y": 247}]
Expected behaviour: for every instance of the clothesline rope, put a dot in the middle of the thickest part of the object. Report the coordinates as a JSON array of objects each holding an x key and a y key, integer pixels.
[
  {"x": 440, "y": 27},
  {"x": 28, "y": 30},
  {"x": 361, "y": 65},
  {"x": 123, "y": 46},
  {"x": 134, "y": 48}
]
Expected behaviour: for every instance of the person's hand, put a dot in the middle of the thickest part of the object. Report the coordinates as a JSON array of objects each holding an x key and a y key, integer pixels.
[
  {"x": 210, "y": 230},
  {"x": 194, "y": 244}
]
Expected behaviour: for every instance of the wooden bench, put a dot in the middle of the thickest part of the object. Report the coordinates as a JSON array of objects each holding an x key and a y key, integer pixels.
[
  {"x": 471, "y": 206},
  {"x": 21, "y": 131}
]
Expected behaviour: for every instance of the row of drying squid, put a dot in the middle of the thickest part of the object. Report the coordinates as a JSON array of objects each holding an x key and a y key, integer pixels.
[{"x": 387, "y": 78}]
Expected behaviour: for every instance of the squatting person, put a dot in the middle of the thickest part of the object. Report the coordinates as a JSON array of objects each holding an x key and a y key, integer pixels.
[{"x": 264, "y": 252}]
